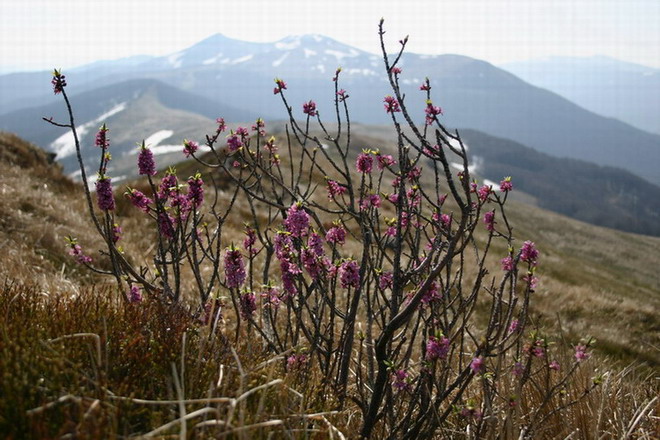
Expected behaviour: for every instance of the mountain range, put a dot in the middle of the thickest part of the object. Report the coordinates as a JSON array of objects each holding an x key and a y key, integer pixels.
[
  {"x": 240, "y": 74},
  {"x": 626, "y": 91}
]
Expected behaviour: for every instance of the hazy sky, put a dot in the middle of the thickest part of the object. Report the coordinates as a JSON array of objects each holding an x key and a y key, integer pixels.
[{"x": 42, "y": 34}]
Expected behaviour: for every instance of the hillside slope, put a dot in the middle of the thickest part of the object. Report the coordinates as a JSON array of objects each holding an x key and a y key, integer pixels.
[
  {"x": 603, "y": 196},
  {"x": 596, "y": 281}
]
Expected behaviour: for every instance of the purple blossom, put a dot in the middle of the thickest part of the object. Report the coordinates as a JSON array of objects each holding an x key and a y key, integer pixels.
[
  {"x": 400, "y": 380},
  {"x": 182, "y": 204},
  {"x": 349, "y": 274},
  {"x": 283, "y": 245},
  {"x": 336, "y": 234},
  {"x": 518, "y": 369},
  {"x": 478, "y": 365},
  {"x": 76, "y": 251},
  {"x": 506, "y": 185},
  {"x": 581, "y": 353},
  {"x": 513, "y": 327},
  {"x": 58, "y": 82},
  {"x": 507, "y": 264},
  {"x": 437, "y": 348},
  {"x": 385, "y": 161},
  {"x": 536, "y": 348},
  {"x": 234, "y": 142},
  {"x": 335, "y": 189},
  {"x": 297, "y": 220},
  {"x": 426, "y": 86},
  {"x": 270, "y": 145},
  {"x": 116, "y": 232},
  {"x": 372, "y": 200},
  {"x": 135, "y": 294},
  {"x": 260, "y": 127},
  {"x": 189, "y": 147},
  {"x": 315, "y": 243},
  {"x": 101, "y": 139},
  {"x": 146, "y": 164},
  {"x": 431, "y": 295},
  {"x": 288, "y": 284},
  {"x": 484, "y": 192},
  {"x": 391, "y": 104},
  {"x": 489, "y": 220},
  {"x": 196, "y": 190},
  {"x": 166, "y": 225},
  {"x": 529, "y": 253},
  {"x": 309, "y": 108},
  {"x": 280, "y": 85},
  {"x": 554, "y": 365},
  {"x": 364, "y": 163},
  {"x": 396, "y": 70},
  {"x": 312, "y": 263},
  {"x": 531, "y": 280},
  {"x": 271, "y": 297},
  {"x": 385, "y": 280},
  {"x": 221, "y": 125},
  {"x": 247, "y": 305},
  {"x": 341, "y": 95},
  {"x": 234, "y": 269},
  {"x": 297, "y": 361},
  {"x": 250, "y": 240},
  {"x": 431, "y": 112},
  {"x": 104, "y": 196},
  {"x": 169, "y": 186}
]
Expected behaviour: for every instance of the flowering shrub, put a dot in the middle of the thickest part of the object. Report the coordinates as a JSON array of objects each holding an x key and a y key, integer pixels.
[{"x": 382, "y": 294}]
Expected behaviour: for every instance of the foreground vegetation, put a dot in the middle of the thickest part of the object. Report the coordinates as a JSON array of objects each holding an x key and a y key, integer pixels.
[
  {"x": 95, "y": 367},
  {"x": 320, "y": 290}
]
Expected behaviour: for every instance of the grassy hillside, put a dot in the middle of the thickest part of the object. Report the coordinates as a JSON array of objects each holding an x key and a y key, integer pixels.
[{"x": 90, "y": 366}]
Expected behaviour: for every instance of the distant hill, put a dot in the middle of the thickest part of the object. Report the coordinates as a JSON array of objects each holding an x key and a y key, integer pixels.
[
  {"x": 473, "y": 94},
  {"x": 603, "y": 196},
  {"x": 133, "y": 110},
  {"x": 607, "y": 86}
]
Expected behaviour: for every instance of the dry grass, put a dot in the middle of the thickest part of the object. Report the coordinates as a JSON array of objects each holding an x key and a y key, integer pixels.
[{"x": 77, "y": 362}]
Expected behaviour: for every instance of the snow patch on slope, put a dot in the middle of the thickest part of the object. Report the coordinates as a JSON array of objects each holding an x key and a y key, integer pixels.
[
  {"x": 281, "y": 59},
  {"x": 289, "y": 44},
  {"x": 65, "y": 145},
  {"x": 158, "y": 137}
]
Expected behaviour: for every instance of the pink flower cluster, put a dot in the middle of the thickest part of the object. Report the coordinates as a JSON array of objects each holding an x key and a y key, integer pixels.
[
  {"x": 297, "y": 220},
  {"x": 279, "y": 86},
  {"x": 189, "y": 147},
  {"x": 506, "y": 185},
  {"x": 336, "y": 234},
  {"x": 247, "y": 305},
  {"x": 234, "y": 269},
  {"x": 196, "y": 190},
  {"x": 335, "y": 189},
  {"x": 135, "y": 294},
  {"x": 146, "y": 164},
  {"x": 478, "y": 365},
  {"x": 309, "y": 108},
  {"x": 101, "y": 139},
  {"x": 391, "y": 104},
  {"x": 581, "y": 353},
  {"x": 489, "y": 220},
  {"x": 364, "y": 163},
  {"x": 349, "y": 274},
  {"x": 529, "y": 253},
  {"x": 297, "y": 361},
  {"x": 76, "y": 251},
  {"x": 431, "y": 112},
  {"x": 104, "y": 196},
  {"x": 400, "y": 380},
  {"x": 58, "y": 82},
  {"x": 437, "y": 348}
]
